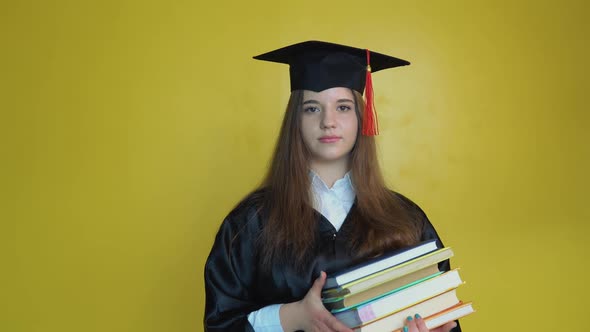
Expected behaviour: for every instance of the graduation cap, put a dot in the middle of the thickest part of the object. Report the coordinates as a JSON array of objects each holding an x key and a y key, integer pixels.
[{"x": 317, "y": 65}]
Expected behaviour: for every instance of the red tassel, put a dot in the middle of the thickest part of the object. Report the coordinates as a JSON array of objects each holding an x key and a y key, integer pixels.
[{"x": 370, "y": 125}]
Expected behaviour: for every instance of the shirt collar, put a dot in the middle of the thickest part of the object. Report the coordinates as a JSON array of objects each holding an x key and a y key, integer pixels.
[{"x": 342, "y": 188}]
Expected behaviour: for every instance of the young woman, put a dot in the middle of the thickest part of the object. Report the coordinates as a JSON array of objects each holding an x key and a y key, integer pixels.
[{"x": 322, "y": 207}]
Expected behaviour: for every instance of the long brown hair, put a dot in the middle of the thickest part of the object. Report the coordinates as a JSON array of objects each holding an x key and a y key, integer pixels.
[{"x": 379, "y": 223}]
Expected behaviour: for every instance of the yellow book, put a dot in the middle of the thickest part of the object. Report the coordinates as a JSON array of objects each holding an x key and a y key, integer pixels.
[
  {"x": 386, "y": 275},
  {"x": 378, "y": 290}
]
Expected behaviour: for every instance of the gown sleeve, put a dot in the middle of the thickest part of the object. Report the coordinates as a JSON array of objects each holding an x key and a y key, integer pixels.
[{"x": 230, "y": 275}]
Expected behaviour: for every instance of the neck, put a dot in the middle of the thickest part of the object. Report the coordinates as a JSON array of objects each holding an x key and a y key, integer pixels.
[{"x": 330, "y": 172}]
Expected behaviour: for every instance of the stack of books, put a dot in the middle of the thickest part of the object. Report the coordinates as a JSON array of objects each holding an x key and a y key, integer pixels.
[{"x": 380, "y": 294}]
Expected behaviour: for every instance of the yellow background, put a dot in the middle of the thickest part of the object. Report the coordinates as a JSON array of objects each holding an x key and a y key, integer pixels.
[{"x": 130, "y": 128}]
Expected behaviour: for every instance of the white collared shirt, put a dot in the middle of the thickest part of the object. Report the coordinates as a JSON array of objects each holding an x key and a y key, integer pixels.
[{"x": 334, "y": 204}]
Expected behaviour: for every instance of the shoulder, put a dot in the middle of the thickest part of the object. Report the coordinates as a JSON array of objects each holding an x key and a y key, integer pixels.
[
  {"x": 236, "y": 240},
  {"x": 409, "y": 205},
  {"x": 245, "y": 217},
  {"x": 416, "y": 213}
]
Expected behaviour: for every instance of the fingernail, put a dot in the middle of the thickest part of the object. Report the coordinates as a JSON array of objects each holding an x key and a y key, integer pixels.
[
  {"x": 405, "y": 329},
  {"x": 417, "y": 316},
  {"x": 409, "y": 318}
]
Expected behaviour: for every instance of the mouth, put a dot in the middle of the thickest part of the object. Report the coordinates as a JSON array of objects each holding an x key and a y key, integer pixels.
[{"x": 329, "y": 139}]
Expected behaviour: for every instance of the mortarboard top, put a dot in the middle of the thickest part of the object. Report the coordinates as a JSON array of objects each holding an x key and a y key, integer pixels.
[{"x": 317, "y": 66}]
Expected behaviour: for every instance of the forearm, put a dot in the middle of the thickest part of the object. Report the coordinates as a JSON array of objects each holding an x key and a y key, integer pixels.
[{"x": 290, "y": 314}]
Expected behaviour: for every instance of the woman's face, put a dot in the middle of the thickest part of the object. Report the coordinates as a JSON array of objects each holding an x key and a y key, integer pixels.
[{"x": 329, "y": 124}]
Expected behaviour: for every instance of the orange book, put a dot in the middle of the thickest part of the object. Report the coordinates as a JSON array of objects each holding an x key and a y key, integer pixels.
[{"x": 448, "y": 315}]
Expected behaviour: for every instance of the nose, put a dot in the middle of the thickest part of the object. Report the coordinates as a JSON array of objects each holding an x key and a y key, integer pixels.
[{"x": 328, "y": 119}]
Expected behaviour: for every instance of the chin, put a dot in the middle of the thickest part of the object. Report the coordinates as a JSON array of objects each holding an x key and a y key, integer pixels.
[{"x": 330, "y": 159}]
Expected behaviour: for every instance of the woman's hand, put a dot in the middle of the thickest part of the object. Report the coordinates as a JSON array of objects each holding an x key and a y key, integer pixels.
[
  {"x": 309, "y": 314},
  {"x": 417, "y": 324}
]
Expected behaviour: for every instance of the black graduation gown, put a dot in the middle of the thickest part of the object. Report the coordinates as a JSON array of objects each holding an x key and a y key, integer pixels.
[{"x": 235, "y": 285}]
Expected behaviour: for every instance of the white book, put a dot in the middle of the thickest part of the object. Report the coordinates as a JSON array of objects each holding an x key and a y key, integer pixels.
[
  {"x": 383, "y": 306},
  {"x": 426, "y": 308}
]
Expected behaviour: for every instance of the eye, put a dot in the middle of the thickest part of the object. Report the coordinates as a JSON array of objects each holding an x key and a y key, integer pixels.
[
  {"x": 311, "y": 109},
  {"x": 344, "y": 108}
]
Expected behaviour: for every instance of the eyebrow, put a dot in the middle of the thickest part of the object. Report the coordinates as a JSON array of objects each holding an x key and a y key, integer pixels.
[{"x": 312, "y": 101}]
